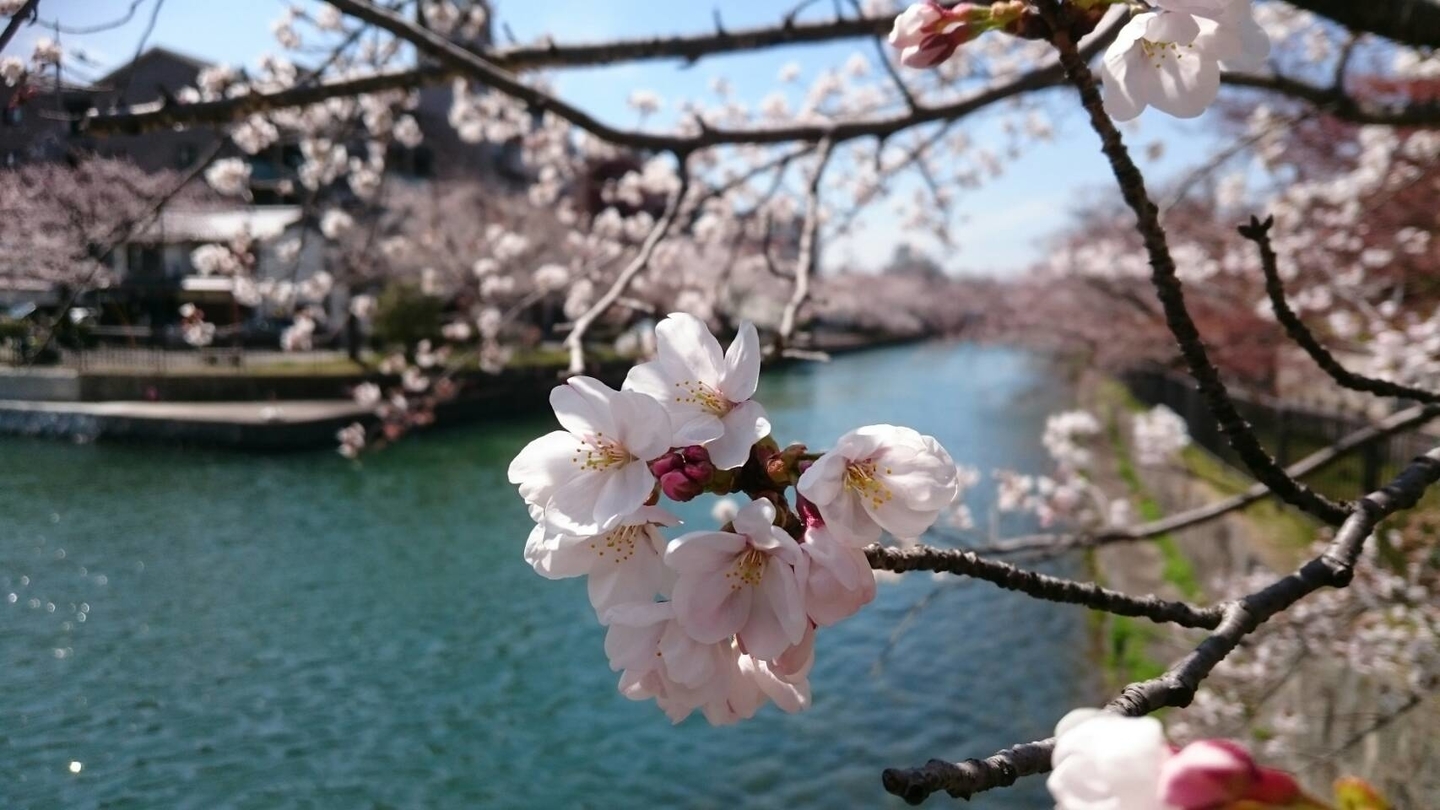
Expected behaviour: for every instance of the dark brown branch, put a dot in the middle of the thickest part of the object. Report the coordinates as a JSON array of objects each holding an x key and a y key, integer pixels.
[
  {"x": 1259, "y": 233},
  {"x": 1414, "y": 22},
  {"x": 1397, "y": 423},
  {"x": 1177, "y": 686},
  {"x": 459, "y": 61},
  {"x": 1041, "y": 586},
  {"x": 690, "y": 48},
  {"x": 1172, "y": 299},
  {"x": 160, "y": 115},
  {"x": 1334, "y": 568},
  {"x": 1338, "y": 103},
  {"x": 26, "y": 12}
]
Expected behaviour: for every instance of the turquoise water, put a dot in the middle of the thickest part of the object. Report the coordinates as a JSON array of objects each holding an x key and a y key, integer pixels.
[{"x": 210, "y": 630}]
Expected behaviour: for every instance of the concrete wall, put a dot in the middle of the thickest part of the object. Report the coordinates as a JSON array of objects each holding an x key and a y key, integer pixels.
[{"x": 42, "y": 384}]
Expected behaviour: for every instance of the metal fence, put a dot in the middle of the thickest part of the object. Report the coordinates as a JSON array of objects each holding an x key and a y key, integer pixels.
[
  {"x": 158, "y": 361},
  {"x": 1287, "y": 431}
]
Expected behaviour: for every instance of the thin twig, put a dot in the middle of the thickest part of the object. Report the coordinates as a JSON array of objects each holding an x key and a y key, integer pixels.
[
  {"x": 575, "y": 341},
  {"x": 1259, "y": 233},
  {"x": 1400, "y": 422},
  {"x": 1042, "y": 586}
]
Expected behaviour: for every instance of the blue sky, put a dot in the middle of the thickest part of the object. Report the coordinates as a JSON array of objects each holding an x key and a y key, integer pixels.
[{"x": 1003, "y": 223}]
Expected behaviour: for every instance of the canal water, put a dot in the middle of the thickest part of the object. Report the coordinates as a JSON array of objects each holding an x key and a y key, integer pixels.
[{"x": 196, "y": 629}]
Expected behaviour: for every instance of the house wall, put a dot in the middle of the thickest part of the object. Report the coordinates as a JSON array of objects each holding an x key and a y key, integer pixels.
[{"x": 156, "y": 74}]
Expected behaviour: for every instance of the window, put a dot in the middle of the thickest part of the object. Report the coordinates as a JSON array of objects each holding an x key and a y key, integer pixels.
[
  {"x": 144, "y": 264},
  {"x": 14, "y": 115}
]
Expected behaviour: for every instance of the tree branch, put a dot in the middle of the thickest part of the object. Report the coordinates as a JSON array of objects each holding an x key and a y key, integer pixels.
[
  {"x": 1399, "y": 422},
  {"x": 1335, "y": 101},
  {"x": 1177, "y": 686},
  {"x": 1259, "y": 233},
  {"x": 575, "y": 341},
  {"x": 1041, "y": 586},
  {"x": 1172, "y": 298},
  {"x": 805, "y": 262},
  {"x": 1414, "y": 22},
  {"x": 459, "y": 61},
  {"x": 26, "y": 11}
]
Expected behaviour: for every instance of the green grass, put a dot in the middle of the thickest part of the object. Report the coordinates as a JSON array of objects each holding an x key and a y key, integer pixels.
[
  {"x": 279, "y": 368},
  {"x": 1288, "y": 528},
  {"x": 1129, "y": 641},
  {"x": 1176, "y": 568},
  {"x": 1127, "y": 658}
]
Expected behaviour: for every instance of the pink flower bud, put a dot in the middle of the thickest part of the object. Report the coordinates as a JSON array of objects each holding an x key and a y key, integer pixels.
[
  {"x": 670, "y": 462},
  {"x": 1215, "y": 773},
  {"x": 930, "y": 52},
  {"x": 700, "y": 472},
  {"x": 915, "y": 23},
  {"x": 696, "y": 453},
  {"x": 928, "y": 33},
  {"x": 679, "y": 488}
]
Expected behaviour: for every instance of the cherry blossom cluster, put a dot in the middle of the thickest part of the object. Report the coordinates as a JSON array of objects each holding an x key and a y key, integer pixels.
[
  {"x": 1385, "y": 626},
  {"x": 1105, "y": 761},
  {"x": 194, "y": 329},
  {"x": 719, "y": 621},
  {"x": 1067, "y": 493},
  {"x": 413, "y": 388},
  {"x": 1170, "y": 58},
  {"x": 928, "y": 33},
  {"x": 1157, "y": 435}
]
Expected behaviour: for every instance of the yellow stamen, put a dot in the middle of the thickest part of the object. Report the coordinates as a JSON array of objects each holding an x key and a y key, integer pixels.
[
  {"x": 693, "y": 392},
  {"x": 618, "y": 544},
  {"x": 601, "y": 453},
  {"x": 860, "y": 478},
  {"x": 748, "y": 569}
]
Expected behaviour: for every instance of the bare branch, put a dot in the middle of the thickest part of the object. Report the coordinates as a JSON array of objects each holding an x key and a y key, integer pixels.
[
  {"x": 1400, "y": 422},
  {"x": 1041, "y": 586},
  {"x": 1177, "y": 686},
  {"x": 1259, "y": 233}
]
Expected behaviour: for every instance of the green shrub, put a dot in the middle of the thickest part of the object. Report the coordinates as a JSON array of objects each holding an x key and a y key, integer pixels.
[{"x": 404, "y": 316}]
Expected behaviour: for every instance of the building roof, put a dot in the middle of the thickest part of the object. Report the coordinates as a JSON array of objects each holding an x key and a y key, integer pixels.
[
  {"x": 154, "y": 51},
  {"x": 221, "y": 225}
]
